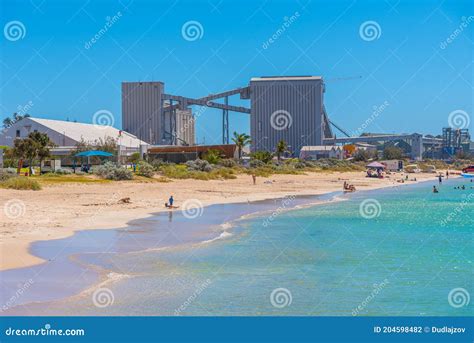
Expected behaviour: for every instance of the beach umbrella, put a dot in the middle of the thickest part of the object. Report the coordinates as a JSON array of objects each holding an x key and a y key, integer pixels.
[{"x": 90, "y": 153}]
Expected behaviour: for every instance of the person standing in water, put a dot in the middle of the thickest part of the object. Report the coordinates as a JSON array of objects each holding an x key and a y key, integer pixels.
[
  {"x": 440, "y": 179},
  {"x": 435, "y": 190}
]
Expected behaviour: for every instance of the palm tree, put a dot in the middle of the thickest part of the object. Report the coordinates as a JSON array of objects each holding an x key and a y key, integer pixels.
[
  {"x": 241, "y": 140},
  {"x": 281, "y": 148}
]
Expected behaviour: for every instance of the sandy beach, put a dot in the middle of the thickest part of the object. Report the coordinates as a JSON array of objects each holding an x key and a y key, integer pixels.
[{"x": 57, "y": 211}]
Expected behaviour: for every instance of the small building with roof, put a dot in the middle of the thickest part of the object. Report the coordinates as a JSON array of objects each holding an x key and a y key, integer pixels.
[{"x": 316, "y": 152}]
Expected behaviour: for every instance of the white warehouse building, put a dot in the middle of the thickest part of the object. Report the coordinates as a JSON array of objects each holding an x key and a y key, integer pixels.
[{"x": 66, "y": 135}]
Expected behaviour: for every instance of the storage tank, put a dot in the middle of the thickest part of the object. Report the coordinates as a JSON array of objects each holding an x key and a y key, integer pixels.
[{"x": 287, "y": 108}]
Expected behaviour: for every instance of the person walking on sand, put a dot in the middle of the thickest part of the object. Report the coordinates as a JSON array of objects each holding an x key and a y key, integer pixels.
[
  {"x": 254, "y": 178},
  {"x": 171, "y": 201},
  {"x": 447, "y": 174}
]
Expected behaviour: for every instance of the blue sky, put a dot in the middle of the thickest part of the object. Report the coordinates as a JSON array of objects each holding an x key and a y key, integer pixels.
[{"x": 419, "y": 62}]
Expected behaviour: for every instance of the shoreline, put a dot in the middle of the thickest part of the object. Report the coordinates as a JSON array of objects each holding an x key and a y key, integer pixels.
[
  {"x": 16, "y": 251},
  {"x": 108, "y": 276},
  {"x": 222, "y": 231}
]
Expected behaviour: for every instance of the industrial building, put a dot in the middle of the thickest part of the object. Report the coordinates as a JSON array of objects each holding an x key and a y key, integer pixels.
[
  {"x": 66, "y": 135},
  {"x": 152, "y": 118},
  {"x": 281, "y": 108},
  {"x": 290, "y": 109},
  {"x": 454, "y": 141}
]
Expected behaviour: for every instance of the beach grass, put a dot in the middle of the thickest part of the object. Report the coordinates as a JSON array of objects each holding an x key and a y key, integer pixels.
[
  {"x": 21, "y": 183},
  {"x": 51, "y": 178},
  {"x": 181, "y": 171}
]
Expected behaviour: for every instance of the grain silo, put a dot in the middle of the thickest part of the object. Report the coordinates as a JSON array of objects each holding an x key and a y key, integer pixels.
[
  {"x": 142, "y": 115},
  {"x": 289, "y": 108}
]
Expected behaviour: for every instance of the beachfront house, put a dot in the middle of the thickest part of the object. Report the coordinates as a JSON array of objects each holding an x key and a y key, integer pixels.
[
  {"x": 316, "y": 152},
  {"x": 67, "y": 134}
]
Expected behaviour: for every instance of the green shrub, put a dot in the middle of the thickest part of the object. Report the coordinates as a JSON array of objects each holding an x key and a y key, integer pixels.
[
  {"x": 175, "y": 171},
  {"x": 145, "y": 169},
  {"x": 300, "y": 165},
  {"x": 183, "y": 171},
  {"x": 224, "y": 173},
  {"x": 158, "y": 162},
  {"x": 5, "y": 176},
  {"x": 212, "y": 156},
  {"x": 111, "y": 171},
  {"x": 199, "y": 165},
  {"x": 228, "y": 162},
  {"x": 134, "y": 158},
  {"x": 256, "y": 163},
  {"x": 21, "y": 183},
  {"x": 264, "y": 156},
  {"x": 7, "y": 173}
]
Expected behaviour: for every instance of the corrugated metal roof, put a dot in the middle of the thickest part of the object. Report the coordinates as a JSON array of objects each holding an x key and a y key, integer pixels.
[
  {"x": 88, "y": 132},
  {"x": 285, "y": 78},
  {"x": 320, "y": 147}
]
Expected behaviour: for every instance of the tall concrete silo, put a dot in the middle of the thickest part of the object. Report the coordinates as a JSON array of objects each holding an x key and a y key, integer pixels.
[
  {"x": 289, "y": 108},
  {"x": 141, "y": 110},
  {"x": 143, "y": 117}
]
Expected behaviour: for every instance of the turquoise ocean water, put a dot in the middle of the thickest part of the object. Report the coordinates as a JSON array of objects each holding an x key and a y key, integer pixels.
[{"x": 397, "y": 251}]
